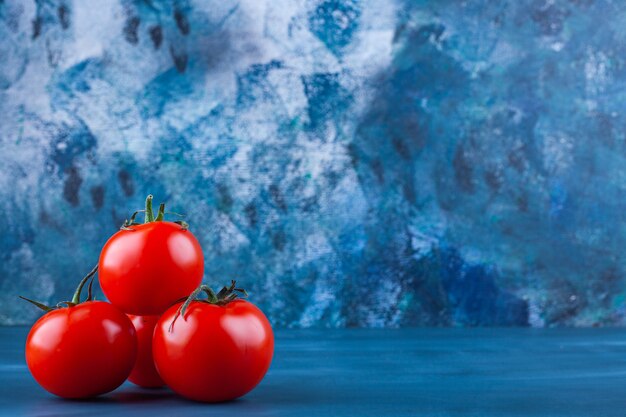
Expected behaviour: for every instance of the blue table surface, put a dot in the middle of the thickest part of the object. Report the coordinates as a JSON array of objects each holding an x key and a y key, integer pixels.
[{"x": 360, "y": 372}]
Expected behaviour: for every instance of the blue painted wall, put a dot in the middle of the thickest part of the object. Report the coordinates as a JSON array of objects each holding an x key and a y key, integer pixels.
[{"x": 352, "y": 163}]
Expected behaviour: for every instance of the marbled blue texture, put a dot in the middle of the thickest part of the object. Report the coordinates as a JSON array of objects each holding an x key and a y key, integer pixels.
[{"x": 351, "y": 163}]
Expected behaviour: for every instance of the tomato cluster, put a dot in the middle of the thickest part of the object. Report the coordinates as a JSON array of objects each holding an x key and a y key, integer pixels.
[{"x": 155, "y": 330}]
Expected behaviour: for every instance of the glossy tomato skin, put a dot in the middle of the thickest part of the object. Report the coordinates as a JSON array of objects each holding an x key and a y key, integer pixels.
[
  {"x": 81, "y": 351},
  {"x": 215, "y": 353},
  {"x": 145, "y": 270},
  {"x": 144, "y": 372}
]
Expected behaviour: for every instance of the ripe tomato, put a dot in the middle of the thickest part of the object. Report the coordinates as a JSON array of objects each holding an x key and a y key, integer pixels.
[
  {"x": 81, "y": 351},
  {"x": 145, "y": 268},
  {"x": 144, "y": 373},
  {"x": 217, "y": 350}
]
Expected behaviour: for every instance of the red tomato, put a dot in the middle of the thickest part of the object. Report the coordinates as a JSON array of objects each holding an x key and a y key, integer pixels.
[
  {"x": 213, "y": 352},
  {"x": 145, "y": 268},
  {"x": 81, "y": 351},
  {"x": 144, "y": 373}
]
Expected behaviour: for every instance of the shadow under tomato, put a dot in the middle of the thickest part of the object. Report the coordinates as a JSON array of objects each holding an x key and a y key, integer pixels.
[
  {"x": 140, "y": 395},
  {"x": 126, "y": 396}
]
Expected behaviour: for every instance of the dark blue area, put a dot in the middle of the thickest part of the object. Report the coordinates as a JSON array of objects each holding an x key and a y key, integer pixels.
[
  {"x": 474, "y": 297},
  {"x": 164, "y": 89},
  {"x": 253, "y": 84},
  {"x": 334, "y": 22},
  {"x": 67, "y": 145},
  {"x": 327, "y": 99}
]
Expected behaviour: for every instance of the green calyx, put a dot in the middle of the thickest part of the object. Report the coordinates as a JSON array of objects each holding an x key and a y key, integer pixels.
[
  {"x": 221, "y": 298},
  {"x": 150, "y": 217},
  {"x": 76, "y": 298}
]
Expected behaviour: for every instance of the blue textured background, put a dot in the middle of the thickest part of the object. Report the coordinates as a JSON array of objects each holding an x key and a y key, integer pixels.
[{"x": 351, "y": 163}]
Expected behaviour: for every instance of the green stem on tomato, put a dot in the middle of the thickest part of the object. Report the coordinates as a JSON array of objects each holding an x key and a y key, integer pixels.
[
  {"x": 75, "y": 299},
  {"x": 149, "y": 212},
  {"x": 90, "y": 275},
  {"x": 150, "y": 217},
  {"x": 160, "y": 213},
  {"x": 37, "y": 303},
  {"x": 223, "y": 297}
]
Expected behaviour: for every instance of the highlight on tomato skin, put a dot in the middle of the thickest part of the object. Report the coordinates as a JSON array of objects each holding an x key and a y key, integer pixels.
[
  {"x": 144, "y": 373},
  {"x": 82, "y": 349},
  {"x": 213, "y": 350},
  {"x": 145, "y": 267}
]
